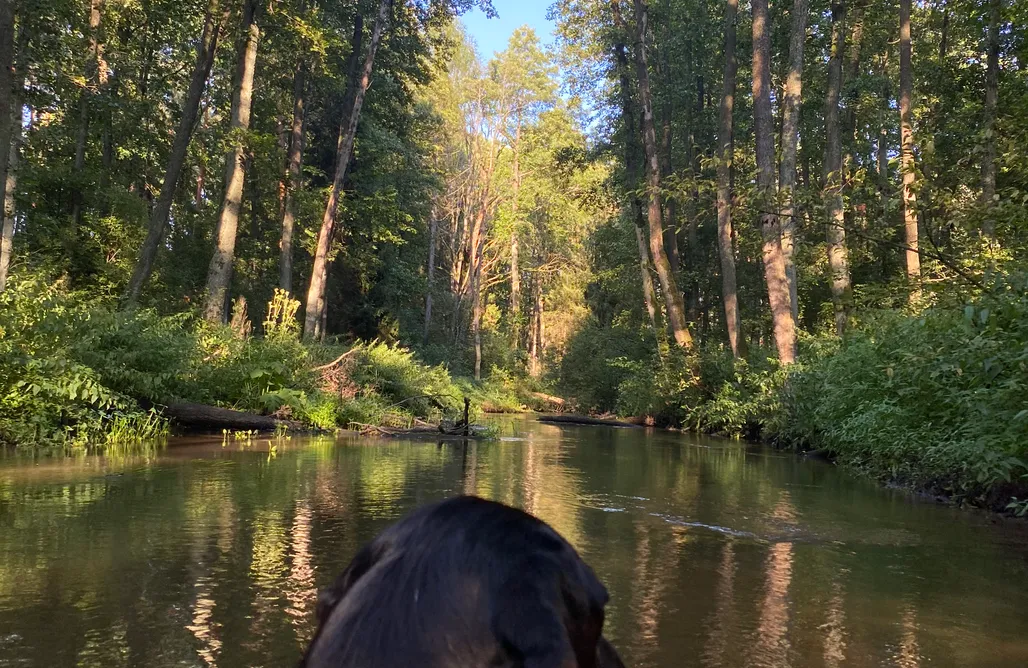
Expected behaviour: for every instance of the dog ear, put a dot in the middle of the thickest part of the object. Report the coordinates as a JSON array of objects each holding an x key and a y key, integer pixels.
[{"x": 529, "y": 622}]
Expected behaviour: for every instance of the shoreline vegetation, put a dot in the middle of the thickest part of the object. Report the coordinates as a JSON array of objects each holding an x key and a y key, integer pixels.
[
  {"x": 800, "y": 224},
  {"x": 933, "y": 402}
]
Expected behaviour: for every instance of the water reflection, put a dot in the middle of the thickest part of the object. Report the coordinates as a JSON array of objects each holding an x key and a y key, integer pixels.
[{"x": 715, "y": 554}]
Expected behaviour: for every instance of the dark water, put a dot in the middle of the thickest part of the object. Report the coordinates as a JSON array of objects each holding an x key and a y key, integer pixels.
[{"x": 716, "y": 554}]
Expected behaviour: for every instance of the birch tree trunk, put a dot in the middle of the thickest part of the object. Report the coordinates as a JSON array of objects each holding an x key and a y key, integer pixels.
[
  {"x": 774, "y": 262},
  {"x": 725, "y": 144},
  {"x": 672, "y": 295},
  {"x": 913, "y": 257},
  {"x": 214, "y": 21},
  {"x": 790, "y": 142},
  {"x": 316, "y": 292},
  {"x": 219, "y": 275},
  {"x": 835, "y": 231}
]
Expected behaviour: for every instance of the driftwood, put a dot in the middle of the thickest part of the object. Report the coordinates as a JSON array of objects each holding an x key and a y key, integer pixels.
[
  {"x": 583, "y": 419},
  {"x": 200, "y": 416},
  {"x": 549, "y": 399}
]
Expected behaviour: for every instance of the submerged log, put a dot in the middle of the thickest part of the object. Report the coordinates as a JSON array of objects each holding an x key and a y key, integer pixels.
[
  {"x": 583, "y": 419},
  {"x": 200, "y": 416}
]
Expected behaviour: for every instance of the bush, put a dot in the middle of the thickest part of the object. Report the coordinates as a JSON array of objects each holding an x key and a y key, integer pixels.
[{"x": 937, "y": 401}]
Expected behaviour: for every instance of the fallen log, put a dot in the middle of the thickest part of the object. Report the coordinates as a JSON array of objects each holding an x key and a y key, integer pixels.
[
  {"x": 548, "y": 398},
  {"x": 200, "y": 416},
  {"x": 583, "y": 419}
]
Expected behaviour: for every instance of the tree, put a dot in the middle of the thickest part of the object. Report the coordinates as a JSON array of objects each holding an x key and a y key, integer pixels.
[
  {"x": 835, "y": 231},
  {"x": 774, "y": 261},
  {"x": 725, "y": 158},
  {"x": 989, "y": 126},
  {"x": 294, "y": 164},
  {"x": 315, "y": 310},
  {"x": 220, "y": 273},
  {"x": 8, "y": 121},
  {"x": 214, "y": 20},
  {"x": 790, "y": 141},
  {"x": 913, "y": 256},
  {"x": 672, "y": 296}
]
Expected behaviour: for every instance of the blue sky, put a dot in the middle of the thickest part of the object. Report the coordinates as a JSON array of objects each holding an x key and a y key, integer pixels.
[{"x": 491, "y": 35}]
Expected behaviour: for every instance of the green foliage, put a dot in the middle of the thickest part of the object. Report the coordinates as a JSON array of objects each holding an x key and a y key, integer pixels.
[
  {"x": 73, "y": 371},
  {"x": 936, "y": 400}
]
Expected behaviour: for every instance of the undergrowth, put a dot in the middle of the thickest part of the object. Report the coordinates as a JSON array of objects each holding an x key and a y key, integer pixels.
[
  {"x": 76, "y": 370},
  {"x": 937, "y": 401}
]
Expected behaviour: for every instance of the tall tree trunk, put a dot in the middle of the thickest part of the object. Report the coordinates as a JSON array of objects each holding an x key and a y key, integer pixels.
[
  {"x": 649, "y": 294},
  {"x": 774, "y": 262},
  {"x": 219, "y": 275},
  {"x": 316, "y": 292},
  {"x": 668, "y": 285},
  {"x": 10, "y": 131},
  {"x": 668, "y": 201},
  {"x": 294, "y": 164},
  {"x": 10, "y": 186},
  {"x": 790, "y": 143},
  {"x": 725, "y": 144},
  {"x": 835, "y": 232},
  {"x": 433, "y": 231},
  {"x": 632, "y": 170},
  {"x": 92, "y": 74},
  {"x": 907, "y": 155},
  {"x": 214, "y": 21},
  {"x": 989, "y": 125}
]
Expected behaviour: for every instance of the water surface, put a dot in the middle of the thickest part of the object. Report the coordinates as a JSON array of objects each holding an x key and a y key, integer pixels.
[{"x": 715, "y": 553}]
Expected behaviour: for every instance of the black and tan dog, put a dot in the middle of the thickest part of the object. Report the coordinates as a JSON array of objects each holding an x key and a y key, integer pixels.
[{"x": 465, "y": 583}]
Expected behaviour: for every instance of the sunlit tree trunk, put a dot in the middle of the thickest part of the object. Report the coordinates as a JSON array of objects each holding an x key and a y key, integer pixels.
[
  {"x": 632, "y": 170},
  {"x": 93, "y": 73},
  {"x": 10, "y": 186},
  {"x": 907, "y": 155},
  {"x": 835, "y": 231},
  {"x": 219, "y": 275},
  {"x": 316, "y": 292},
  {"x": 725, "y": 144},
  {"x": 670, "y": 206},
  {"x": 774, "y": 262},
  {"x": 672, "y": 295},
  {"x": 790, "y": 142},
  {"x": 214, "y": 21},
  {"x": 294, "y": 164},
  {"x": 989, "y": 117}
]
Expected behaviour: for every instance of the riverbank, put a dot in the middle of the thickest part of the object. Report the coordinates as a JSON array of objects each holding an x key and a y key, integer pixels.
[
  {"x": 935, "y": 401},
  {"x": 77, "y": 371}
]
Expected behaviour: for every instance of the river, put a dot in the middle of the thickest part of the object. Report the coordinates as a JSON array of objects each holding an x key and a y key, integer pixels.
[{"x": 715, "y": 553}]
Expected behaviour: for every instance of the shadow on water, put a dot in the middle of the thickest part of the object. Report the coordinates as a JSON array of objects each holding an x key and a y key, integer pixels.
[{"x": 716, "y": 553}]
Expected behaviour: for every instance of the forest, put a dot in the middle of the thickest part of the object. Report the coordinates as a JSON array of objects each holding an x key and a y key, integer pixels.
[{"x": 802, "y": 222}]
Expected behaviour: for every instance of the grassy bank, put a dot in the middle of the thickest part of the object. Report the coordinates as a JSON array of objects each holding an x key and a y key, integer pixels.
[
  {"x": 936, "y": 401},
  {"x": 75, "y": 370}
]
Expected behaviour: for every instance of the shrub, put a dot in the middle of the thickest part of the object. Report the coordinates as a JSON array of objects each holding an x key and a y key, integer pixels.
[{"x": 937, "y": 400}]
